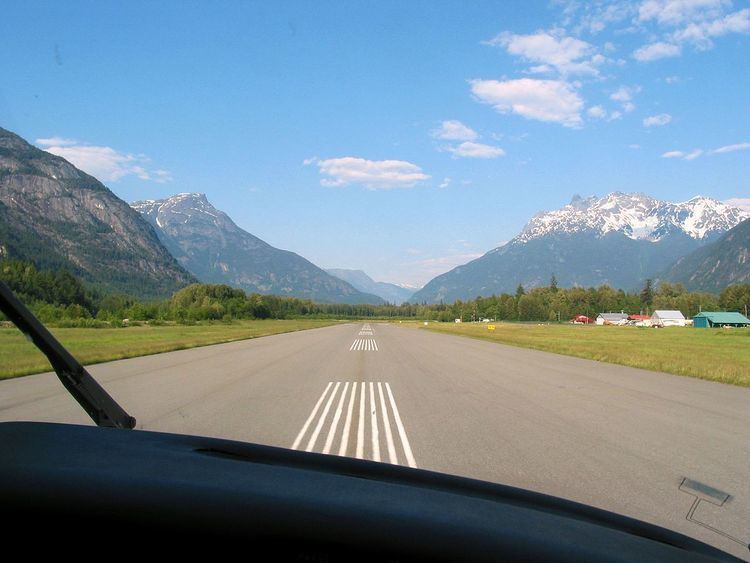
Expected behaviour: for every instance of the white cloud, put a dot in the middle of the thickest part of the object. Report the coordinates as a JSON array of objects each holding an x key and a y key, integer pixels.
[
  {"x": 673, "y": 154},
  {"x": 469, "y": 149},
  {"x": 655, "y": 51},
  {"x": 454, "y": 130},
  {"x": 695, "y": 153},
  {"x": 741, "y": 202},
  {"x": 732, "y": 148},
  {"x": 161, "y": 176},
  {"x": 634, "y": 146},
  {"x": 104, "y": 163},
  {"x": 701, "y": 33},
  {"x": 624, "y": 95},
  {"x": 445, "y": 183},
  {"x": 692, "y": 155},
  {"x": 597, "y": 15},
  {"x": 372, "y": 174},
  {"x": 56, "y": 142},
  {"x": 598, "y": 112},
  {"x": 694, "y": 22},
  {"x": 737, "y": 22},
  {"x": 567, "y": 55},
  {"x": 657, "y": 120},
  {"x": 543, "y": 100},
  {"x": 676, "y": 12}
]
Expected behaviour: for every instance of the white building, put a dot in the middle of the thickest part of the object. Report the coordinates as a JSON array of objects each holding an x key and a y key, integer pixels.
[
  {"x": 667, "y": 318},
  {"x": 612, "y": 319}
]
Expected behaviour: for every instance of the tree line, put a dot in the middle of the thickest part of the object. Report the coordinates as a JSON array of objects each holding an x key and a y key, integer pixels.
[{"x": 56, "y": 296}]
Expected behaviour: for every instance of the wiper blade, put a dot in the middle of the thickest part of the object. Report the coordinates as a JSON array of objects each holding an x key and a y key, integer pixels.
[{"x": 99, "y": 405}]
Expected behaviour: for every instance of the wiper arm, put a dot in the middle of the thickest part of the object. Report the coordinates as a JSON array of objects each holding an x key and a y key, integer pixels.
[{"x": 102, "y": 408}]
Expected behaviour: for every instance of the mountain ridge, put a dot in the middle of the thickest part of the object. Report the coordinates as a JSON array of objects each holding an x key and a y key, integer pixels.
[
  {"x": 210, "y": 245},
  {"x": 723, "y": 262},
  {"x": 619, "y": 239},
  {"x": 56, "y": 216},
  {"x": 637, "y": 216}
]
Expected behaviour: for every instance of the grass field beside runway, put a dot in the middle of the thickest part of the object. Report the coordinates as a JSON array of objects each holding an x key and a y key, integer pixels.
[
  {"x": 94, "y": 345},
  {"x": 714, "y": 354}
]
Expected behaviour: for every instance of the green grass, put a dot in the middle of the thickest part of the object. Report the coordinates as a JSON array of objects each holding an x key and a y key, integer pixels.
[
  {"x": 715, "y": 354},
  {"x": 94, "y": 345}
]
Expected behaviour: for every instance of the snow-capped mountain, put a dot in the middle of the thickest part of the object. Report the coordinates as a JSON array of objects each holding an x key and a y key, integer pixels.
[
  {"x": 619, "y": 239},
  {"x": 214, "y": 249},
  {"x": 637, "y": 216},
  {"x": 181, "y": 207}
]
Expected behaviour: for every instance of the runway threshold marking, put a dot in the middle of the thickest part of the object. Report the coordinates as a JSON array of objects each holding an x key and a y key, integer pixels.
[
  {"x": 366, "y": 330},
  {"x": 364, "y": 344},
  {"x": 383, "y": 410}
]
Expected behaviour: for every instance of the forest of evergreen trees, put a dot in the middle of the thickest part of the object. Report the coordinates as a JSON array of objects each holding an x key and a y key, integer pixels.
[{"x": 58, "y": 297}]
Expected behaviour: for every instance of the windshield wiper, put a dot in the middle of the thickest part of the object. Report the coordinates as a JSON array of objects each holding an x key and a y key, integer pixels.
[{"x": 102, "y": 408}]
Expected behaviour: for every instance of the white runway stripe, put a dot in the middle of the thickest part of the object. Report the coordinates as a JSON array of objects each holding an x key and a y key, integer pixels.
[
  {"x": 401, "y": 431},
  {"x": 321, "y": 420},
  {"x": 310, "y": 418},
  {"x": 374, "y": 426},
  {"x": 348, "y": 423},
  {"x": 364, "y": 344},
  {"x": 361, "y": 427},
  {"x": 387, "y": 426},
  {"x": 340, "y": 414},
  {"x": 336, "y": 417}
]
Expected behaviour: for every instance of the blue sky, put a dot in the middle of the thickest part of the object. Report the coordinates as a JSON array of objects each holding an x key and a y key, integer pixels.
[{"x": 398, "y": 138}]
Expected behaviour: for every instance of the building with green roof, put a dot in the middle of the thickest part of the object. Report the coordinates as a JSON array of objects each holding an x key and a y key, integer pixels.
[{"x": 709, "y": 319}]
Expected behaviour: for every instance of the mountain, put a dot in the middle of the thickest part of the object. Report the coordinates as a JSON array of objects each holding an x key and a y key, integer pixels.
[
  {"x": 391, "y": 292},
  {"x": 717, "y": 265},
  {"x": 619, "y": 239},
  {"x": 214, "y": 249},
  {"x": 56, "y": 216}
]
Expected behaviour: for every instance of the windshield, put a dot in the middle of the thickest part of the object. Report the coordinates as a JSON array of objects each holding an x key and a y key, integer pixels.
[{"x": 507, "y": 241}]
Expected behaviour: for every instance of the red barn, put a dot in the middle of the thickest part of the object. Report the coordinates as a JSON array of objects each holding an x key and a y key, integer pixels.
[{"x": 582, "y": 320}]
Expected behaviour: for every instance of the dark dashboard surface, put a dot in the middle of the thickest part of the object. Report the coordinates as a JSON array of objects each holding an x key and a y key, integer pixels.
[{"x": 175, "y": 493}]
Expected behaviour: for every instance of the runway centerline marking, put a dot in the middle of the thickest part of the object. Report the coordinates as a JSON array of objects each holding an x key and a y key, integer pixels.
[
  {"x": 361, "y": 426},
  {"x": 374, "y": 423},
  {"x": 335, "y": 415}
]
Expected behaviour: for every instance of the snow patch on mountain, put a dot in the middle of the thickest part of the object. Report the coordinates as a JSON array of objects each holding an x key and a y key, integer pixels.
[
  {"x": 635, "y": 215},
  {"x": 187, "y": 204}
]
